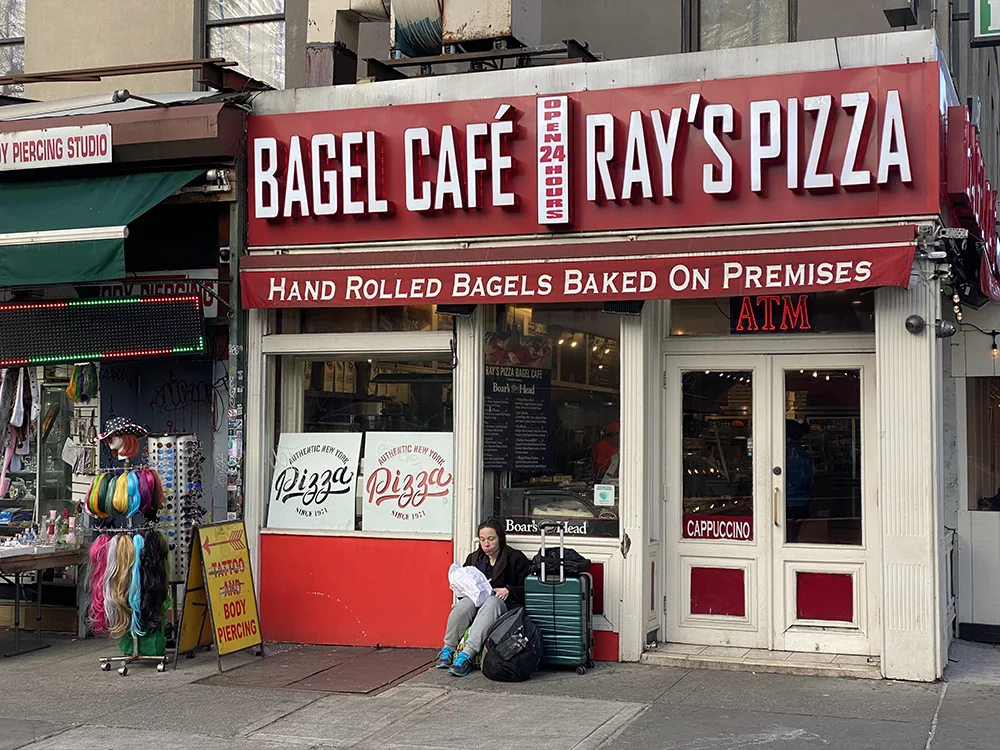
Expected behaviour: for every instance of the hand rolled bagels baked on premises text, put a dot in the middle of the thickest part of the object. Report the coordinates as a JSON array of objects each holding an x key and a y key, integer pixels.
[{"x": 705, "y": 278}]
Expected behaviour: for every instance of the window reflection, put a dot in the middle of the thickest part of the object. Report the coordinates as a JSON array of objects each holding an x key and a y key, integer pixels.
[
  {"x": 726, "y": 24},
  {"x": 551, "y": 418},
  {"x": 823, "y": 456},
  {"x": 717, "y": 450},
  {"x": 376, "y": 395}
]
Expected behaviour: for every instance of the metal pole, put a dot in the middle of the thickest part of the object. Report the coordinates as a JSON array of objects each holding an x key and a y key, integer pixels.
[
  {"x": 38, "y": 610},
  {"x": 17, "y": 612}
]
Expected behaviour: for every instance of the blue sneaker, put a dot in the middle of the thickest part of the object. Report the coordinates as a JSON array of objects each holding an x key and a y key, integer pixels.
[
  {"x": 462, "y": 666},
  {"x": 445, "y": 657}
]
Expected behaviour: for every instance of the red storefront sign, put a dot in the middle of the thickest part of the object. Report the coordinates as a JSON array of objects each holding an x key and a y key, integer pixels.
[
  {"x": 608, "y": 279},
  {"x": 973, "y": 199},
  {"x": 841, "y": 144}
]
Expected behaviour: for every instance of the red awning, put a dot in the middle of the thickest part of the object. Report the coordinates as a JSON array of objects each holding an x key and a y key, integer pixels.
[{"x": 622, "y": 271}]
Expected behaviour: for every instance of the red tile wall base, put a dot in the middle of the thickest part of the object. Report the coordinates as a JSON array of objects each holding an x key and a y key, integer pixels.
[
  {"x": 596, "y": 571},
  {"x": 718, "y": 591},
  {"x": 605, "y": 645},
  {"x": 313, "y": 590},
  {"x": 824, "y": 596}
]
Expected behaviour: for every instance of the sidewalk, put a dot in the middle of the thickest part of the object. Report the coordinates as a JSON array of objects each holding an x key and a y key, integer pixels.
[{"x": 58, "y": 699}]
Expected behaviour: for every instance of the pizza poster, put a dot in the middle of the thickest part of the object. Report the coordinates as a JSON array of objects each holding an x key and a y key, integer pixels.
[
  {"x": 315, "y": 481},
  {"x": 409, "y": 482}
]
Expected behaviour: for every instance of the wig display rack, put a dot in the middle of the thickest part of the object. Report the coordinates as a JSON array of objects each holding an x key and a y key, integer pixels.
[
  {"x": 178, "y": 460},
  {"x": 161, "y": 661},
  {"x": 123, "y": 439}
]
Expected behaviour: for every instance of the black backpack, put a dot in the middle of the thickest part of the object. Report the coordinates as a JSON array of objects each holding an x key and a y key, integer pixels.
[
  {"x": 513, "y": 649},
  {"x": 573, "y": 561}
]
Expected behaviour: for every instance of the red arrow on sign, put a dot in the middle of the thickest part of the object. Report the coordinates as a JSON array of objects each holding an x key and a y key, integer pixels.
[{"x": 235, "y": 540}]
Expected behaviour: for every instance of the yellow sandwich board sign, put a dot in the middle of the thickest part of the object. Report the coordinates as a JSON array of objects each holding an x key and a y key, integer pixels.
[{"x": 220, "y": 605}]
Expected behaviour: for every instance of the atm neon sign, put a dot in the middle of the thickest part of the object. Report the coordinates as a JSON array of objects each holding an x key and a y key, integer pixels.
[{"x": 772, "y": 313}]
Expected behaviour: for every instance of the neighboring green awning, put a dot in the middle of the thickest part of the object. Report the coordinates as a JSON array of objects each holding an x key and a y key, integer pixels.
[{"x": 66, "y": 231}]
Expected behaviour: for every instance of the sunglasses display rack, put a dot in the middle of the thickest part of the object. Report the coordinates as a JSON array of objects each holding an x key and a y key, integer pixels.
[{"x": 179, "y": 459}]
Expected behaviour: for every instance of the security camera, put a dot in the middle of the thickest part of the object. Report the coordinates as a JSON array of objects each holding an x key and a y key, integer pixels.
[
  {"x": 224, "y": 255},
  {"x": 915, "y": 324},
  {"x": 945, "y": 329}
]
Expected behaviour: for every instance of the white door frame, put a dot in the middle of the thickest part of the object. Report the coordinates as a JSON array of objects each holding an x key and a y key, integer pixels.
[
  {"x": 768, "y": 562},
  {"x": 752, "y": 630},
  {"x": 862, "y": 634}
]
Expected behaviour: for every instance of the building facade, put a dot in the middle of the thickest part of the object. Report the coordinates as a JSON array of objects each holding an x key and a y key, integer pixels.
[
  {"x": 739, "y": 468},
  {"x": 740, "y": 465}
]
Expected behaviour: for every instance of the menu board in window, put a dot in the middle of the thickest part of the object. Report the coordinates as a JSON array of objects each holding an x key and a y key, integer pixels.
[{"x": 517, "y": 408}]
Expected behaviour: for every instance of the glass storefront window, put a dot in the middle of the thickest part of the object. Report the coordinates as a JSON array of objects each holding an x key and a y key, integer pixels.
[
  {"x": 717, "y": 451},
  {"x": 851, "y": 311},
  {"x": 552, "y": 410},
  {"x": 379, "y": 428},
  {"x": 374, "y": 319},
  {"x": 823, "y": 503},
  {"x": 726, "y": 24},
  {"x": 983, "y": 440}
]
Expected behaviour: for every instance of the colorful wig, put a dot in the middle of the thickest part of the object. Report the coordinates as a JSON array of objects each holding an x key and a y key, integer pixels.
[
  {"x": 121, "y": 583},
  {"x": 134, "y": 497},
  {"x": 154, "y": 576},
  {"x": 111, "y": 613},
  {"x": 98, "y": 569},
  {"x": 135, "y": 586},
  {"x": 120, "y": 499}
]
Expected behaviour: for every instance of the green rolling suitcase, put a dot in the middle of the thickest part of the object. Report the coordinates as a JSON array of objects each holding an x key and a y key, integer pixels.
[{"x": 562, "y": 609}]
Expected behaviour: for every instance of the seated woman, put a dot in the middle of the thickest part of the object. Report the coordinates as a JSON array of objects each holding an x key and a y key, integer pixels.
[{"x": 506, "y": 568}]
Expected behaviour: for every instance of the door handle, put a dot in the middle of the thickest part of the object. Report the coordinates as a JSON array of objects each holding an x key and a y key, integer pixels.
[{"x": 775, "y": 508}]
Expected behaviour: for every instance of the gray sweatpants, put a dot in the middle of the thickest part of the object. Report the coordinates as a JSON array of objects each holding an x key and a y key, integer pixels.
[{"x": 463, "y": 614}]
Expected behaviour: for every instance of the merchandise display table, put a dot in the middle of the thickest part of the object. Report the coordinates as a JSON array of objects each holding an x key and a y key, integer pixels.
[{"x": 34, "y": 560}]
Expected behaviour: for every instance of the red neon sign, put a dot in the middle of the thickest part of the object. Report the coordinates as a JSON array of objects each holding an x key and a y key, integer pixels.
[{"x": 772, "y": 313}]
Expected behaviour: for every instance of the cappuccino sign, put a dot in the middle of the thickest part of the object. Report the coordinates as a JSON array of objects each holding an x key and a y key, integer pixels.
[
  {"x": 315, "y": 481},
  {"x": 409, "y": 482}
]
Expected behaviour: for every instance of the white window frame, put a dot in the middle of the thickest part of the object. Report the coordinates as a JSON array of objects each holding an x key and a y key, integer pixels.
[
  {"x": 292, "y": 348},
  {"x": 215, "y": 23},
  {"x": 691, "y": 11},
  {"x": 13, "y": 41}
]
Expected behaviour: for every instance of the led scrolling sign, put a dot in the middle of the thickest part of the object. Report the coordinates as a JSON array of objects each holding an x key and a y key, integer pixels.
[{"x": 42, "y": 333}]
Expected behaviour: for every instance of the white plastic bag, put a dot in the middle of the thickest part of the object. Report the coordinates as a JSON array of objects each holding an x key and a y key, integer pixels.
[{"x": 469, "y": 581}]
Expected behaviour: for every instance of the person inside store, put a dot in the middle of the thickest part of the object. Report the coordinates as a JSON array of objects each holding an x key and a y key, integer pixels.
[
  {"x": 505, "y": 568},
  {"x": 606, "y": 453},
  {"x": 799, "y": 485}
]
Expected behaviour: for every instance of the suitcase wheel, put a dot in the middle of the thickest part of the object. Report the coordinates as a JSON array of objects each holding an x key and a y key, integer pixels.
[
  {"x": 590, "y": 663},
  {"x": 581, "y": 670}
]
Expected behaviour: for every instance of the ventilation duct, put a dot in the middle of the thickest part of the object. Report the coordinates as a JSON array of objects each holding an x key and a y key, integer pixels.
[{"x": 418, "y": 27}]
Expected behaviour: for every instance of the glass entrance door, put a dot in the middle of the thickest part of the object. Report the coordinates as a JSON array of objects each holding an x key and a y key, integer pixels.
[
  {"x": 769, "y": 534},
  {"x": 824, "y": 525},
  {"x": 718, "y": 540}
]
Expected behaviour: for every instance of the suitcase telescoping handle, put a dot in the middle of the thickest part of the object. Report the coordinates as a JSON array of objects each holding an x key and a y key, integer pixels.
[{"x": 562, "y": 548}]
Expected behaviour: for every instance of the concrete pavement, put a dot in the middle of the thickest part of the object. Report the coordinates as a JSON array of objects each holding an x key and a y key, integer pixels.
[{"x": 59, "y": 700}]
